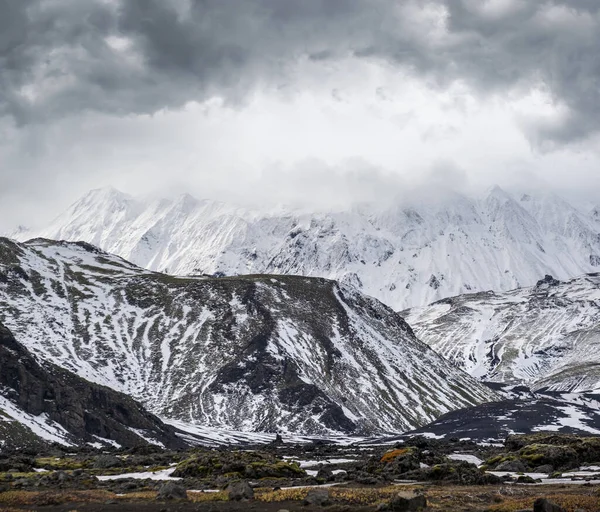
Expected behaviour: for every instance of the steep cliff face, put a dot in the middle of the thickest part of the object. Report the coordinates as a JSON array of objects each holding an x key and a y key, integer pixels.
[
  {"x": 253, "y": 353},
  {"x": 428, "y": 247},
  {"x": 44, "y": 403}
]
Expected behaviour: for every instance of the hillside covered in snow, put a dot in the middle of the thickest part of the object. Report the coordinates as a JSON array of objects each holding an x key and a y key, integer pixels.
[
  {"x": 435, "y": 245},
  {"x": 253, "y": 353},
  {"x": 547, "y": 335}
]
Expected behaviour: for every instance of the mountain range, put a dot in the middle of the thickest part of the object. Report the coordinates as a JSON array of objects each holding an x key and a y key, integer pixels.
[
  {"x": 255, "y": 353},
  {"x": 433, "y": 245}
]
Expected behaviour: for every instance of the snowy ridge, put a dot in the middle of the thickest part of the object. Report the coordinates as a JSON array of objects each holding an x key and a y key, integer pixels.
[
  {"x": 435, "y": 245},
  {"x": 547, "y": 336},
  {"x": 253, "y": 353}
]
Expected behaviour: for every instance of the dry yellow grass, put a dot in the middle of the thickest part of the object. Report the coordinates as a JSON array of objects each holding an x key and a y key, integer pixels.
[
  {"x": 571, "y": 502},
  {"x": 207, "y": 496},
  {"x": 346, "y": 495},
  {"x": 138, "y": 495}
]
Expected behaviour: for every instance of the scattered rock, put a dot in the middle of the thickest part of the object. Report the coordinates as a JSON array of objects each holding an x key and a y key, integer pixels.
[
  {"x": 407, "y": 502},
  {"x": 513, "y": 466},
  {"x": 545, "y": 468},
  {"x": 544, "y": 505},
  {"x": 318, "y": 497},
  {"x": 107, "y": 462},
  {"x": 526, "y": 479},
  {"x": 171, "y": 491},
  {"x": 239, "y": 490},
  {"x": 325, "y": 474}
]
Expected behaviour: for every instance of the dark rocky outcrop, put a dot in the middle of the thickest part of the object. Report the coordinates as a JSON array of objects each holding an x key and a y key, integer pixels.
[
  {"x": 236, "y": 464},
  {"x": 171, "y": 491},
  {"x": 547, "y": 281},
  {"x": 547, "y": 451},
  {"x": 85, "y": 410},
  {"x": 407, "y": 502},
  {"x": 544, "y": 505},
  {"x": 317, "y": 497}
]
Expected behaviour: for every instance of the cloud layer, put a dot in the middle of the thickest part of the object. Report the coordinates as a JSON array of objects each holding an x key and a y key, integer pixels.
[
  {"x": 138, "y": 56},
  {"x": 213, "y": 93}
]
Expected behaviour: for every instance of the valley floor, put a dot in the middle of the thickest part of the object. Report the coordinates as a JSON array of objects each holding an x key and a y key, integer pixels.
[
  {"x": 495, "y": 498},
  {"x": 418, "y": 473}
]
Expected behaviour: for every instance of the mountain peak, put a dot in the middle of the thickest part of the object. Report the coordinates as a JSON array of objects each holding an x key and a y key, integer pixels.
[
  {"x": 391, "y": 252},
  {"x": 104, "y": 195}
]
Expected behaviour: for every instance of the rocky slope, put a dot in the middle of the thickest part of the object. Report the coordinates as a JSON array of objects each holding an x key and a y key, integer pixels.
[
  {"x": 44, "y": 404},
  {"x": 525, "y": 412},
  {"x": 547, "y": 335},
  {"x": 428, "y": 247},
  {"x": 253, "y": 353}
]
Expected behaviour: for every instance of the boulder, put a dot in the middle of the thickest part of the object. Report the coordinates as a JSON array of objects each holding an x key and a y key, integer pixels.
[
  {"x": 107, "y": 461},
  {"x": 407, "y": 502},
  {"x": 544, "y": 505},
  {"x": 239, "y": 490},
  {"x": 171, "y": 491},
  {"x": 317, "y": 497},
  {"x": 325, "y": 474},
  {"x": 512, "y": 466}
]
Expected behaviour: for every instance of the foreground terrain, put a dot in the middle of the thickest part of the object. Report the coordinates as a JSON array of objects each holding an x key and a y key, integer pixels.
[{"x": 418, "y": 473}]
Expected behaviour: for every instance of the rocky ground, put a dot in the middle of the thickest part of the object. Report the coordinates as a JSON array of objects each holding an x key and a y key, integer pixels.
[{"x": 417, "y": 474}]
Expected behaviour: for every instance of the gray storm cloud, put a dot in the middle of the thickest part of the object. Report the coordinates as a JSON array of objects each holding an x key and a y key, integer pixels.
[{"x": 62, "y": 57}]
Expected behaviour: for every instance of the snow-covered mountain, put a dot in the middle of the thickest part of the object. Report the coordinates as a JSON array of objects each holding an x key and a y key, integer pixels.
[
  {"x": 434, "y": 245},
  {"x": 251, "y": 353},
  {"x": 547, "y": 336}
]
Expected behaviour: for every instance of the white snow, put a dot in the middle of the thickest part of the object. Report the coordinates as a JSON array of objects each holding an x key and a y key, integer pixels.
[
  {"x": 466, "y": 457},
  {"x": 164, "y": 474}
]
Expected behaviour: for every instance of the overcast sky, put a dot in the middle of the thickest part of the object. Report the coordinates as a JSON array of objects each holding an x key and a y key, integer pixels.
[{"x": 291, "y": 100}]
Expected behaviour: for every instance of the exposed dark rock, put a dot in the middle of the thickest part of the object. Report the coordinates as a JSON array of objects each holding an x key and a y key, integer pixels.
[
  {"x": 317, "y": 497},
  {"x": 107, "y": 461},
  {"x": 240, "y": 464},
  {"x": 325, "y": 474},
  {"x": 171, "y": 491},
  {"x": 513, "y": 466},
  {"x": 547, "y": 281},
  {"x": 526, "y": 479},
  {"x": 407, "y": 502},
  {"x": 544, "y": 505}
]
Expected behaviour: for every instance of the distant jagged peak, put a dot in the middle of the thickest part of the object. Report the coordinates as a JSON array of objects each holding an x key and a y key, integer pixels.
[
  {"x": 108, "y": 194},
  {"x": 496, "y": 192}
]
